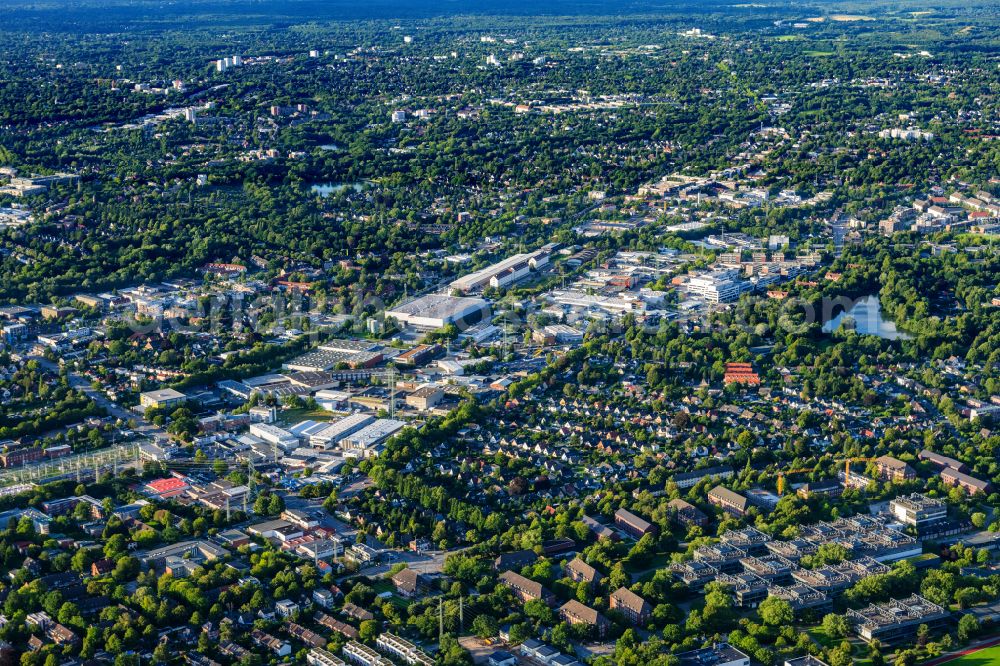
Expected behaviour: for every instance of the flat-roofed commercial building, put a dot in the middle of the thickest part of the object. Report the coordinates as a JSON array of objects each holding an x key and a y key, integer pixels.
[
  {"x": 323, "y": 360},
  {"x": 748, "y": 590},
  {"x": 749, "y": 539},
  {"x": 425, "y": 397},
  {"x": 502, "y": 273},
  {"x": 717, "y": 286},
  {"x": 330, "y": 435},
  {"x": 365, "y": 442},
  {"x": 274, "y": 435},
  {"x": 836, "y": 578},
  {"x": 419, "y": 355},
  {"x": 694, "y": 574},
  {"x": 722, "y": 556},
  {"x": 801, "y": 597},
  {"x": 770, "y": 567},
  {"x": 917, "y": 509},
  {"x": 439, "y": 310},
  {"x": 161, "y": 399},
  {"x": 720, "y": 654},
  {"x": 897, "y": 619}
]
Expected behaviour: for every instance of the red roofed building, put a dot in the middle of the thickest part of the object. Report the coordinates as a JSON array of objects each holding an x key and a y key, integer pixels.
[
  {"x": 168, "y": 487},
  {"x": 741, "y": 373}
]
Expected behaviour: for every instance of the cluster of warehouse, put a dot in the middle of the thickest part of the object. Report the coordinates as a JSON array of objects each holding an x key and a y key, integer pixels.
[{"x": 354, "y": 436}]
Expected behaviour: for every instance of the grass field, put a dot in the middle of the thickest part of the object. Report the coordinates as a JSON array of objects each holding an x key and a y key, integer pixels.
[
  {"x": 988, "y": 657},
  {"x": 290, "y": 417}
]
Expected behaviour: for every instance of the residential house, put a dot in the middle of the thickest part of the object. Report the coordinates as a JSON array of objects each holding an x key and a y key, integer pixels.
[{"x": 408, "y": 583}]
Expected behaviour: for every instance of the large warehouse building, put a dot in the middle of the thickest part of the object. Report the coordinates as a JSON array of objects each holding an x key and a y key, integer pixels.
[
  {"x": 437, "y": 310},
  {"x": 505, "y": 272}
]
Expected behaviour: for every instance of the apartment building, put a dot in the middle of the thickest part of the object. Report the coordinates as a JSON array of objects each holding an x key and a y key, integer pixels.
[
  {"x": 403, "y": 649},
  {"x": 633, "y": 607},
  {"x": 691, "y": 479},
  {"x": 633, "y": 525},
  {"x": 729, "y": 501},
  {"x": 891, "y": 469},
  {"x": 362, "y": 655},
  {"x": 526, "y": 589},
  {"x": 580, "y": 572},
  {"x": 573, "y": 612},
  {"x": 969, "y": 484},
  {"x": 942, "y": 462},
  {"x": 686, "y": 513},
  {"x": 320, "y": 657}
]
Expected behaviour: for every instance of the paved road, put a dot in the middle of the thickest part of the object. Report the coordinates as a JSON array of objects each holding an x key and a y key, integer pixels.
[{"x": 81, "y": 383}]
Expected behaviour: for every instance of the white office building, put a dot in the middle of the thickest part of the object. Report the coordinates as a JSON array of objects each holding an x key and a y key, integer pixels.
[
  {"x": 723, "y": 286},
  {"x": 274, "y": 435}
]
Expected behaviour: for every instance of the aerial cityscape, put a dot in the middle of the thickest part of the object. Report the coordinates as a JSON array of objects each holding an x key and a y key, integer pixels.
[{"x": 601, "y": 333}]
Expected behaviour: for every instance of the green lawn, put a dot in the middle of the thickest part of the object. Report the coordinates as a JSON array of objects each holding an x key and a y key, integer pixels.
[
  {"x": 658, "y": 561},
  {"x": 385, "y": 585},
  {"x": 988, "y": 657},
  {"x": 292, "y": 416}
]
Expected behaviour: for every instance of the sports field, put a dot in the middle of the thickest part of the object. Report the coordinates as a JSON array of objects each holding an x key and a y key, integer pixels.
[{"x": 988, "y": 657}]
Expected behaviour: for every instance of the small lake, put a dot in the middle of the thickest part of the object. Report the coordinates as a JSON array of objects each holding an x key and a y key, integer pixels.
[
  {"x": 326, "y": 189},
  {"x": 868, "y": 320},
  {"x": 332, "y": 147}
]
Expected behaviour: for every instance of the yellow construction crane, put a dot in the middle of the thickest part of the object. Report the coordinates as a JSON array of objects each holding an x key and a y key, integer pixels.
[
  {"x": 847, "y": 466},
  {"x": 783, "y": 473},
  {"x": 847, "y": 471}
]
